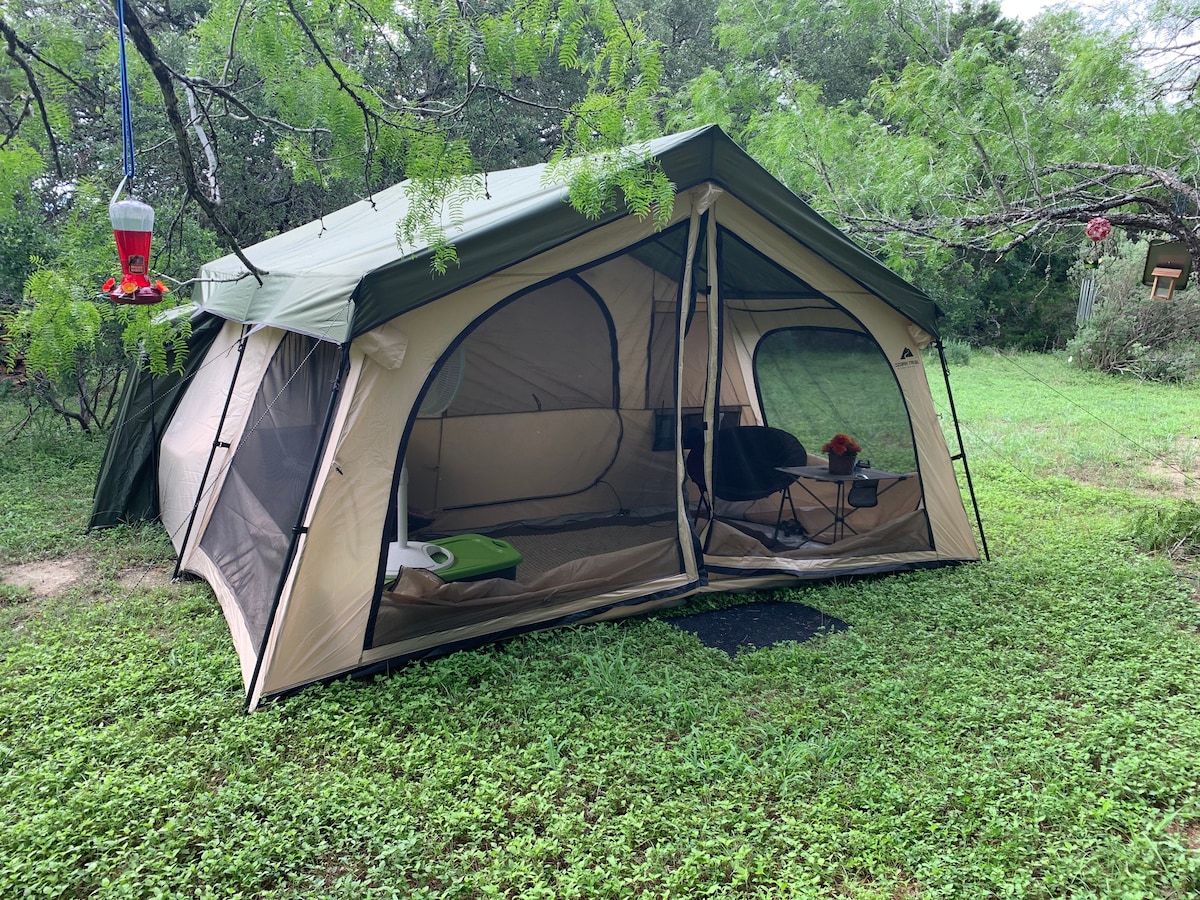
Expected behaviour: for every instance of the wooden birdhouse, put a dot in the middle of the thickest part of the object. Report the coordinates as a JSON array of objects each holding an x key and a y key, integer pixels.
[{"x": 1163, "y": 287}]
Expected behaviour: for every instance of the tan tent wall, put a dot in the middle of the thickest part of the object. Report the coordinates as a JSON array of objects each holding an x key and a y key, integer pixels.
[
  {"x": 445, "y": 469},
  {"x": 322, "y": 618},
  {"x": 747, "y": 322},
  {"x": 953, "y": 536},
  {"x": 342, "y": 544},
  {"x": 952, "y": 533},
  {"x": 184, "y": 453},
  {"x": 260, "y": 348},
  {"x": 185, "y": 444}
]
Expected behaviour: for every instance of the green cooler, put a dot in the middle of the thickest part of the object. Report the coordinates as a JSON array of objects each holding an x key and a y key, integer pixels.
[{"x": 477, "y": 556}]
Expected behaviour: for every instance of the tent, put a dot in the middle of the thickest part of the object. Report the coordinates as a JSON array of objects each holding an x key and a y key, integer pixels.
[{"x": 544, "y": 415}]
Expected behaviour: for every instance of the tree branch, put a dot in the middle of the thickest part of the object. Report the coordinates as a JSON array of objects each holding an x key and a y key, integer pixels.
[
  {"x": 163, "y": 76},
  {"x": 14, "y": 44}
]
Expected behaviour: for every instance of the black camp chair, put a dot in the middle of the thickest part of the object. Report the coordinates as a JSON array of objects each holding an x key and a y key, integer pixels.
[{"x": 746, "y": 463}]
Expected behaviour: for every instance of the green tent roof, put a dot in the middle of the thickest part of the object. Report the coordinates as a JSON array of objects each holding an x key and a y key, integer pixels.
[{"x": 345, "y": 274}]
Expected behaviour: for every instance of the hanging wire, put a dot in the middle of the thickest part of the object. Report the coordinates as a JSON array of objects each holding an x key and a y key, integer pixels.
[{"x": 126, "y": 116}]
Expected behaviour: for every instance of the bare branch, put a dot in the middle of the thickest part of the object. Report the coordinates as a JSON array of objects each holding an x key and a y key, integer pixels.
[
  {"x": 14, "y": 44},
  {"x": 163, "y": 76}
]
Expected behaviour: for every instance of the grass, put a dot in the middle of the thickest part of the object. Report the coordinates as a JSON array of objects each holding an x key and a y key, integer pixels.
[
  {"x": 1039, "y": 416},
  {"x": 1028, "y": 727}
]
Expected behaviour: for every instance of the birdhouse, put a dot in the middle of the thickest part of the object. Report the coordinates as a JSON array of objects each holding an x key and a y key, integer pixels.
[
  {"x": 133, "y": 225},
  {"x": 1165, "y": 278},
  {"x": 1168, "y": 266}
]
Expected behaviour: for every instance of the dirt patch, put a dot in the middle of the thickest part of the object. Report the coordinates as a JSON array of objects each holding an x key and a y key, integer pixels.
[
  {"x": 1181, "y": 470},
  {"x": 1188, "y": 833},
  {"x": 47, "y": 577},
  {"x": 1183, "y": 484}
]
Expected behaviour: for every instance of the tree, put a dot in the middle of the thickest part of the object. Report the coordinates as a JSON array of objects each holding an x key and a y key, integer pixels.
[
  {"x": 1004, "y": 138},
  {"x": 958, "y": 144},
  {"x": 252, "y": 116}
]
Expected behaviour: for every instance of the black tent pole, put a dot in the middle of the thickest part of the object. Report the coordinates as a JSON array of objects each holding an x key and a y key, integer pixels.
[
  {"x": 212, "y": 452},
  {"x": 153, "y": 450},
  {"x": 962, "y": 453}
]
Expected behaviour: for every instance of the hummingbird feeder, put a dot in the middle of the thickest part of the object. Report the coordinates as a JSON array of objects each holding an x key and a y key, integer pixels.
[
  {"x": 132, "y": 220},
  {"x": 133, "y": 226}
]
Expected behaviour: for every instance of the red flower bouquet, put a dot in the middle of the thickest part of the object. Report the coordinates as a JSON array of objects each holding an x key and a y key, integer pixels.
[
  {"x": 842, "y": 451},
  {"x": 842, "y": 445}
]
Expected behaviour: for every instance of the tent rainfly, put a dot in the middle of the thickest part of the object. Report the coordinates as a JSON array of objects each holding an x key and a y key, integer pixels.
[{"x": 372, "y": 464}]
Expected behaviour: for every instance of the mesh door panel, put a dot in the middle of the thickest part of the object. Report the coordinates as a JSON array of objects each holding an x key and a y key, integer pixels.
[{"x": 250, "y": 528}]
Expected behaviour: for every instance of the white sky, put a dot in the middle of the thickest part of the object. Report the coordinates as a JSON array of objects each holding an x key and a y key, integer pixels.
[
  {"x": 1027, "y": 9},
  {"x": 1024, "y": 9}
]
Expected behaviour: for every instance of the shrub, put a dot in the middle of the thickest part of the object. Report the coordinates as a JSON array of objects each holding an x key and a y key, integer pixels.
[
  {"x": 1153, "y": 340},
  {"x": 1174, "y": 531},
  {"x": 958, "y": 353},
  {"x": 1130, "y": 333}
]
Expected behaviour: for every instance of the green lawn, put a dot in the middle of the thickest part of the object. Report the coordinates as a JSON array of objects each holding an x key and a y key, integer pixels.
[{"x": 1027, "y": 728}]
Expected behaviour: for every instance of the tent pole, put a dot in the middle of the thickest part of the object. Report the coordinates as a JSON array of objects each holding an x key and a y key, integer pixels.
[
  {"x": 712, "y": 378},
  {"x": 962, "y": 453},
  {"x": 299, "y": 528},
  {"x": 684, "y": 307},
  {"x": 212, "y": 452},
  {"x": 154, "y": 457}
]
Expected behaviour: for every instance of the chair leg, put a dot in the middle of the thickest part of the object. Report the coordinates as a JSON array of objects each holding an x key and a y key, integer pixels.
[{"x": 785, "y": 497}]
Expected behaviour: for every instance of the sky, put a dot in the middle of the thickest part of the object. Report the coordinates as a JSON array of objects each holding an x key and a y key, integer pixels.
[
  {"x": 1023, "y": 9},
  {"x": 1027, "y": 9}
]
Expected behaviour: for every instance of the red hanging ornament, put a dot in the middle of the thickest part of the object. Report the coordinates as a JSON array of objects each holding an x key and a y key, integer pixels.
[
  {"x": 1098, "y": 228},
  {"x": 133, "y": 226}
]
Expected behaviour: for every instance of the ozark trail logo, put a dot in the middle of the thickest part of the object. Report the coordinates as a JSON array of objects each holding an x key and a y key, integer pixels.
[{"x": 907, "y": 358}]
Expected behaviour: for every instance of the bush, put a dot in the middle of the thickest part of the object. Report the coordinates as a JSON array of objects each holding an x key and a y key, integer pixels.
[
  {"x": 1174, "y": 531},
  {"x": 1153, "y": 340},
  {"x": 1026, "y": 301},
  {"x": 1130, "y": 333},
  {"x": 958, "y": 353}
]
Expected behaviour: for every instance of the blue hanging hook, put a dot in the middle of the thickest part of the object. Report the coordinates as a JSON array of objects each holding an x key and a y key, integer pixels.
[{"x": 126, "y": 116}]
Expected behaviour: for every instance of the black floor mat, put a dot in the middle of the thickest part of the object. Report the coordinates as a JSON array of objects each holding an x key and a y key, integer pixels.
[{"x": 757, "y": 624}]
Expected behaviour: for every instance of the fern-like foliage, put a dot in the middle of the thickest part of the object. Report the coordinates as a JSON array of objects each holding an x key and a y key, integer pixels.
[
  {"x": 597, "y": 184},
  {"x": 437, "y": 194}
]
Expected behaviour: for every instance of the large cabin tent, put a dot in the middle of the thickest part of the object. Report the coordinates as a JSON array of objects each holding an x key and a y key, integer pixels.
[{"x": 552, "y": 399}]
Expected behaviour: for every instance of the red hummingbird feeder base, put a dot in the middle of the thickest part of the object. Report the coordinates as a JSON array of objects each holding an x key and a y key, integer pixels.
[{"x": 141, "y": 297}]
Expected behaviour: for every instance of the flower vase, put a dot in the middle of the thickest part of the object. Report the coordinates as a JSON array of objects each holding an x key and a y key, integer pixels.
[{"x": 841, "y": 465}]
